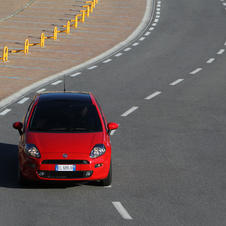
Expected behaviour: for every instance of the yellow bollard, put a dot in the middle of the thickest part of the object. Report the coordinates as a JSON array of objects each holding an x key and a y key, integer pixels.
[
  {"x": 68, "y": 27},
  {"x": 91, "y": 10},
  {"x": 26, "y": 46},
  {"x": 83, "y": 15},
  {"x": 55, "y": 34},
  {"x": 87, "y": 14},
  {"x": 42, "y": 43},
  {"x": 5, "y": 54},
  {"x": 92, "y": 5},
  {"x": 76, "y": 21}
]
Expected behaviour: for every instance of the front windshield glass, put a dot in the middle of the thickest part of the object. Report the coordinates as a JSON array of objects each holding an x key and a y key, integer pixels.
[{"x": 65, "y": 118}]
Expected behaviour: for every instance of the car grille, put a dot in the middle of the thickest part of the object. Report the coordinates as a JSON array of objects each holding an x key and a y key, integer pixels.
[
  {"x": 64, "y": 162},
  {"x": 65, "y": 175}
]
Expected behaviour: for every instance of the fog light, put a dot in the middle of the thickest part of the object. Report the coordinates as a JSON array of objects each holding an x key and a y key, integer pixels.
[
  {"x": 41, "y": 173},
  {"x": 98, "y": 165},
  {"x": 88, "y": 174}
]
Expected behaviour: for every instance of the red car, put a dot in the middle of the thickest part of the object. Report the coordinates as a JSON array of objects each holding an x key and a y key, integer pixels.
[{"x": 65, "y": 136}]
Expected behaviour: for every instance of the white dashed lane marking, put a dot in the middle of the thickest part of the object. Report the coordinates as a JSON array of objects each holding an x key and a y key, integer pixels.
[
  {"x": 23, "y": 100},
  {"x": 107, "y": 61},
  {"x": 221, "y": 51},
  {"x": 90, "y": 68},
  {"x": 210, "y": 60},
  {"x": 5, "y": 111},
  {"x": 56, "y": 83},
  {"x": 176, "y": 82},
  {"x": 196, "y": 71},
  {"x": 135, "y": 44},
  {"x": 127, "y": 49},
  {"x": 129, "y": 111},
  {"x": 41, "y": 90},
  {"x": 152, "y": 95},
  {"x": 118, "y": 55},
  {"x": 78, "y": 73},
  {"x": 122, "y": 210}
]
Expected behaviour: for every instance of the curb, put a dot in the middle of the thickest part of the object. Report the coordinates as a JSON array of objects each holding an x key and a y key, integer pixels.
[
  {"x": 148, "y": 15},
  {"x": 18, "y": 11}
]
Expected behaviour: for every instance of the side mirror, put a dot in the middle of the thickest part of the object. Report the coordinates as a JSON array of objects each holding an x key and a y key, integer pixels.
[
  {"x": 18, "y": 126},
  {"x": 112, "y": 126}
]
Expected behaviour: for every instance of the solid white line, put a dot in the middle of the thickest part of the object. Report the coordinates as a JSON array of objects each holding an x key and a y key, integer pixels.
[
  {"x": 129, "y": 111},
  {"x": 41, "y": 90},
  {"x": 90, "y": 68},
  {"x": 118, "y": 55},
  {"x": 152, "y": 95},
  {"x": 142, "y": 39},
  {"x": 78, "y": 73},
  {"x": 112, "y": 132},
  {"x": 107, "y": 61},
  {"x": 221, "y": 51},
  {"x": 176, "y": 82},
  {"x": 122, "y": 210},
  {"x": 127, "y": 49},
  {"x": 5, "y": 111},
  {"x": 136, "y": 44},
  {"x": 56, "y": 83},
  {"x": 195, "y": 71},
  {"x": 23, "y": 100},
  {"x": 210, "y": 60}
]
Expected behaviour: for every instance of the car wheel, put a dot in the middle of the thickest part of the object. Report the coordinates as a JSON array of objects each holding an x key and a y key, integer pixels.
[
  {"x": 108, "y": 180},
  {"x": 21, "y": 180}
]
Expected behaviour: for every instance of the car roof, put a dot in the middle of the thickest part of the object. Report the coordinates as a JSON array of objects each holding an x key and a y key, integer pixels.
[{"x": 75, "y": 97}]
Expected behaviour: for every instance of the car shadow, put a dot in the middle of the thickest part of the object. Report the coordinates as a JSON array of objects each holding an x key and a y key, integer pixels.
[{"x": 9, "y": 172}]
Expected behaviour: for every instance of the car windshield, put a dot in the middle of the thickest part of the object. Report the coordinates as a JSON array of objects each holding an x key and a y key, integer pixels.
[{"x": 63, "y": 117}]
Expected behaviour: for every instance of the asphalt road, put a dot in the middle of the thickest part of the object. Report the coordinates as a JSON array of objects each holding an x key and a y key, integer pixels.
[{"x": 167, "y": 92}]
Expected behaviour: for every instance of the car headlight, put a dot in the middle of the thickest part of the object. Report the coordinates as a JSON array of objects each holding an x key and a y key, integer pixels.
[
  {"x": 97, "y": 151},
  {"x": 32, "y": 150}
]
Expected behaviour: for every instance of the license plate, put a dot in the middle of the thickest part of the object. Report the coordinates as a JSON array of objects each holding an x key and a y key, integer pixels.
[{"x": 65, "y": 167}]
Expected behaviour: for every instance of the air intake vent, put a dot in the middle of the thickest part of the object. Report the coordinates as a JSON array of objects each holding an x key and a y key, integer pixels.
[{"x": 64, "y": 162}]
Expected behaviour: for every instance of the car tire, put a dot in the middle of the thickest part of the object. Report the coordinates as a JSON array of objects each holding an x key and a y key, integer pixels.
[
  {"x": 108, "y": 180},
  {"x": 21, "y": 180}
]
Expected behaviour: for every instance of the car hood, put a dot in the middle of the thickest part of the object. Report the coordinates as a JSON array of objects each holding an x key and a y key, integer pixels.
[{"x": 81, "y": 143}]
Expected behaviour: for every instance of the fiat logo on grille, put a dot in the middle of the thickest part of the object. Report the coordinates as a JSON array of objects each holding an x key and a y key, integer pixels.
[{"x": 65, "y": 155}]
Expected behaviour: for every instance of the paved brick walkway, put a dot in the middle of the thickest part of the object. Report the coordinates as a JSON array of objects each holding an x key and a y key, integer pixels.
[{"x": 111, "y": 22}]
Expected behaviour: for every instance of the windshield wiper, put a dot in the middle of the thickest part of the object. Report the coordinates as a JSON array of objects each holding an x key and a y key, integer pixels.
[
  {"x": 38, "y": 129},
  {"x": 59, "y": 129},
  {"x": 81, "y": 129}
]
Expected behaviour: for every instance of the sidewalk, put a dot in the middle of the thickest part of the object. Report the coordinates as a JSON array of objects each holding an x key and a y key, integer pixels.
[{"x": 111, "y": 22}]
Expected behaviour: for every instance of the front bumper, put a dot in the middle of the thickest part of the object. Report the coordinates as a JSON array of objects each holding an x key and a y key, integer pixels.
[{"x": 45, "y": 168}]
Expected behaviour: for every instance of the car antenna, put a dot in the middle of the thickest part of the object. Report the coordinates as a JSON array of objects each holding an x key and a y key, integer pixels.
[{"x": 64, "y": 83}]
